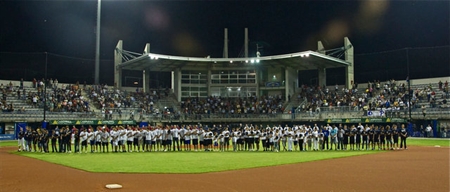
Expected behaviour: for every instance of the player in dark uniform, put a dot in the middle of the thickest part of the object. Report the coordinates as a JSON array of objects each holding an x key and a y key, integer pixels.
[
  {"x": 403, "y": 136},
  {"x": 28, "y": 139},
  {"x": 358, "y": 134},
  {"x": 371, "y": 134},
  {"x": 376, "y": 137},
  {"x": 382, "y": 141},
  {"x": 54, "y": 138},
  {"x": 352, "y": 138},
  {"x": 395, "y": 136},
  {"x": 388, "y": 136},
  {"x": 21, "y": 139},
  {"x": 35, "y": 138},
  {"x": 365, "y": 140},
  {"x": 346, "y": 135}
]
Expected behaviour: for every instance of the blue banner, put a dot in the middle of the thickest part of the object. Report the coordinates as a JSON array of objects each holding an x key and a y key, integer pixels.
[
  {"x": 143, "y": 124},
  {"x": 44, "y": 124},
  {"x": 7, "y": 137}
]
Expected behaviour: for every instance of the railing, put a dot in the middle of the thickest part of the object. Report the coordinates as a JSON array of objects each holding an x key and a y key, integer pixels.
[{"x": 316, "y": 115}]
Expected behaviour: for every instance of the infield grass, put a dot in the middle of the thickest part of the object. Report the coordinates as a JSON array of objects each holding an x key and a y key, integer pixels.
[
  {"x": 8, "y": 143},
  {"x": 184, "y": 162},
  {"x": 427, "y": 142}
]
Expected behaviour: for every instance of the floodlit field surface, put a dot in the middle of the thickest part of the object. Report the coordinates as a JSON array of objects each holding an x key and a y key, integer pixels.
[{"x": 184, "y": 162}]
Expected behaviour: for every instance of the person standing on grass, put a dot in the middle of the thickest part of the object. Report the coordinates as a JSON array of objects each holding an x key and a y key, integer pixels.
[
  {"x": 334, "y": 137},
  {"x": 46, "y": 140},
  {"x": 97, "y": 139},
  {"x": 67, "y": 136},
  {"x": 21, "y": 140},
  {"x": 352, "y": 136},
  {"x": 28, "y": 138},
  {"x": 341, "y": 133},
  {"x": 130, "y": 139},
  {"x": 104, "y": 139},
  {"x": 187, "y": 139},
  {"x": 326, "y": 134},
  {"x": 35, "y": 138},
  {"x": 346, "y": 137},
  {"x": 395, "y": 136},
  {"x": 148, "y": 139},
  {"x": 194, "y": 137},
  {"x": 83, "y": 138},
  {"x": 76, "y": 136},
  {"x": 383, "y": 138},
  {"x": 365, "y": 138},
  {"x": 376, "y": 137},
  {"x": 429, "y": 131},
  {"x": 91, "y": 138},
  {"x": 182, "y": 133},
  {"x": 403, "y": 136},
  {"x": 388, "y": 136},
  {"x": 175, "y": 138},
  {"x": 208, "y": 139},
  {"x": 276, "y": 140},
  {"x": 134, "y": 134}
]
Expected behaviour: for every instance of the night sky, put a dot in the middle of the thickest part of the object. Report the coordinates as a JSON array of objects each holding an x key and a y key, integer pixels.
[{"x": 66, "y": 29}]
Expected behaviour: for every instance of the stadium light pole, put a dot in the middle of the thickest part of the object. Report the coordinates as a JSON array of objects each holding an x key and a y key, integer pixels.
[
  {"x": 97, "y": 44},
  {"x": 45, "y": 86},
  {"x": 409, "y": 83}
]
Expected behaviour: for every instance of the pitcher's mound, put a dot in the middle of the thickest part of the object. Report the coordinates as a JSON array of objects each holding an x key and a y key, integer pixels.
[{"x": 113, "y": 186}]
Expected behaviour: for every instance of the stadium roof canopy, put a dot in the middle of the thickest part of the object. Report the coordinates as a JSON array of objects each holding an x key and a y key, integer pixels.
[{"x": 307, "y": 60}]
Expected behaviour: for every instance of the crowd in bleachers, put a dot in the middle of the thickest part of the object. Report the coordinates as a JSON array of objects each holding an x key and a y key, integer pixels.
[
  {"x": 116, "y": 101},
  {"x": 389, "y": 95},
  {"x": 233, "y": 106}
]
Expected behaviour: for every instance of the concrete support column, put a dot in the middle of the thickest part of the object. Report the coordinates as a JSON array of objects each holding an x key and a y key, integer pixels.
[
  {"x": 349, "y": 57},
  {"x": 117, "y": 62},
  {"x": 208, "y": 81},
  {"x": 322, "y": 76},
  {"x": 257, "y": 81},
  {"x": 290, "y": 82},
  {"x": 146, "y": 80},
  {"x": 177, "y": 84}
]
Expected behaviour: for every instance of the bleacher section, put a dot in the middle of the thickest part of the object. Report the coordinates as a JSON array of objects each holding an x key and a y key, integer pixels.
[{"x": 310, "y": 103}]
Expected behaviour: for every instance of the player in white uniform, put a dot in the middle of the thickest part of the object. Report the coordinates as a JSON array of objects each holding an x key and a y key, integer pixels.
[
  {"x": 105, "y": 140},
  {"x": 91, "y": 139},
  {"x": 83, "y": 138},
  {"x": 130, "y": 138}
]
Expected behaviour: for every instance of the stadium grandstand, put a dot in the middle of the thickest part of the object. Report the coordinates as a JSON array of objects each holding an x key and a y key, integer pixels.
[{"x": 259, "y": 89}]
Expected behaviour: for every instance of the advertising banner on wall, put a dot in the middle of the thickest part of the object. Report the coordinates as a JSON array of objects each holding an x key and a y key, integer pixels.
[
  {"x": 367, "y": 120},
  {"x": 92, "y": 122}
]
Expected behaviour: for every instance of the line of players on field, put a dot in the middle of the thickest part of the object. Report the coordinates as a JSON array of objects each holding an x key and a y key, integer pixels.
[{"x": 197, "y": 137}]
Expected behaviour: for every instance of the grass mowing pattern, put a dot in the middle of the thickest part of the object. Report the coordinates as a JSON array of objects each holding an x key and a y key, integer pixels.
[
  {"x": 184, "y": 162},
  {"x": 8, "y": 143},
  {"x": 427, "y": 142}
]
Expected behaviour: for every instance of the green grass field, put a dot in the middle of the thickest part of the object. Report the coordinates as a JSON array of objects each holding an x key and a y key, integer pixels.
[
  {"x": 194, "y": 162},
  {"x": 427, "y": 142},
  {"x": 184, "y": 162}
]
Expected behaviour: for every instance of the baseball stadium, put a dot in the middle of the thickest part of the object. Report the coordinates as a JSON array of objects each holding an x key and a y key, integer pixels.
[
  {"x": 313, "y": 96},
  {"x": 226, "y": 124}
]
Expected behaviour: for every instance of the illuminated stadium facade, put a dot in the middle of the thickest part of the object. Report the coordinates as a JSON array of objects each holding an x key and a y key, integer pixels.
[{"x": 233, "y": 77}]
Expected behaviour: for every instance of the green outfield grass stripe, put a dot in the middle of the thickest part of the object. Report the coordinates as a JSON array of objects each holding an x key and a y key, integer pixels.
[
  {"x": 184, "y": 162},
  {"x": 8, "y": 143},
  {"x": 428, "y": 142}
]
